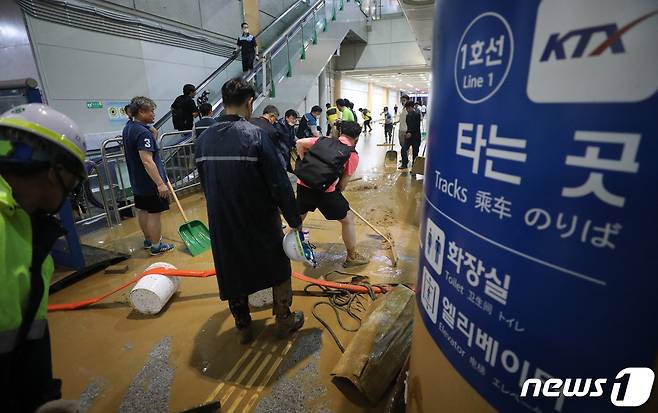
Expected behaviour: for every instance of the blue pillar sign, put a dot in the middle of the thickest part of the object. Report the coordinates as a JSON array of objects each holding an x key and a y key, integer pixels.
[{"x": 538, "y": 273}]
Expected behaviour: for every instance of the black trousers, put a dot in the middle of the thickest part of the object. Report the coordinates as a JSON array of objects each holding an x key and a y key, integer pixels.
[
  {"x": 282, "y": 300},
  {"x": 248, "y": 62},
  {"x": 414, "y": 144},
  {"x": 26, "y": 376},
  {"x": 366, "y": 124},
  {"x": 388, "y": 132}
]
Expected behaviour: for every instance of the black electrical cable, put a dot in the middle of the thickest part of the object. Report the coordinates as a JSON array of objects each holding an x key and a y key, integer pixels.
[{"x": 341, "y": 300}]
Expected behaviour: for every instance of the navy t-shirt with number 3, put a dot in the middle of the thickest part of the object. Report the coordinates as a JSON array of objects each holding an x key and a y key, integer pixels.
[{"x": 137, "y": 137}]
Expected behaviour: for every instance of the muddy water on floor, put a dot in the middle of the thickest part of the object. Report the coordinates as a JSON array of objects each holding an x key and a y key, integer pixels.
[{"x": 105, "y": 354}]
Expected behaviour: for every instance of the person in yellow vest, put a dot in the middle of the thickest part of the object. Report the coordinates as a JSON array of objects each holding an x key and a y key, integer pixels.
[
  {"x": 42, "y": 156},
  {"x": 367, "y": 117},
  {"x": 333, "y": 114},
  {"x": 337, "y": 119}
]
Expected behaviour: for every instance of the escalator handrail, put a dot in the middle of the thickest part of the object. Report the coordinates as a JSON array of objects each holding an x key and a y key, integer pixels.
[
  {"x": 360, "y": 3},
  {"x": 278, "y": 19},
  {"x": 230, "y": 60},
  {"x": 293, "y": 27}
]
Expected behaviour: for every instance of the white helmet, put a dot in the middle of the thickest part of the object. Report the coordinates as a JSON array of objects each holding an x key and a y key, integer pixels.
[
  {"x": 297, "y": 249},
  {"x": 51, "y": 134}
]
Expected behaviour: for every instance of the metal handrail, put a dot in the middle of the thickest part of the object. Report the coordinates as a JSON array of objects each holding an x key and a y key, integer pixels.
[
  {"x": 293, "y": 27},
  {"x": 101, "y": 190},
  {"x": 278, "y": 19},
  {"x": 114, "y": 209},
  {"x": 224, "y": 65},
  {"x": 360, "y": 3},
  {"x": 104, "y": 156}
]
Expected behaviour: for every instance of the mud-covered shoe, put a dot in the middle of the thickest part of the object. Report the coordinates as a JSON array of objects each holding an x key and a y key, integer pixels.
[
  {"x": 246, "y": 334},
  {"x": 355, "y": 260},
  {"x": 290, "y": 324},
  {"x": 159, "y": 248}
]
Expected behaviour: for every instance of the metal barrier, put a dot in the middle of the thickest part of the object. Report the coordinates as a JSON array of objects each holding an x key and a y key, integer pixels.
[
  {"x": 178, "y": 160},
  {"x": 83, "y": 205}
]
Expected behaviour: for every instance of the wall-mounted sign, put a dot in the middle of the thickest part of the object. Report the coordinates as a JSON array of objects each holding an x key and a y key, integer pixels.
[
  {"x": 538, "y": 258},
  {"x": 96, "y": 104},
  {"x": 115, "y": 110}
]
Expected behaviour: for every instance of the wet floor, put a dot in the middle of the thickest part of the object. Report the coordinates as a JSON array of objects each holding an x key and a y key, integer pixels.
[{"x": 115, "y": 359}]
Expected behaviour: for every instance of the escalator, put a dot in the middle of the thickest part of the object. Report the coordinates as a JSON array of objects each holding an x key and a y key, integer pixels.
[
  {"x": 210, "y": 88},
  {"x": 282, "y": 44}
]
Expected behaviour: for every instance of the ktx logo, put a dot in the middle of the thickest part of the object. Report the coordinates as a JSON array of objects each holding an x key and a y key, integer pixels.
[
  {"x": 556, "y": 42},
  {"x": 614, "y": 39}
]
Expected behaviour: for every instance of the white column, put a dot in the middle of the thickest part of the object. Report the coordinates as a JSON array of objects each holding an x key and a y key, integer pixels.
[{"x": 322, "y": 86}]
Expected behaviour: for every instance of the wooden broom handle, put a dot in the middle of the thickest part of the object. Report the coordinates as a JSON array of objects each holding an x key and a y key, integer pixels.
[{"x": 180, "y": 208}]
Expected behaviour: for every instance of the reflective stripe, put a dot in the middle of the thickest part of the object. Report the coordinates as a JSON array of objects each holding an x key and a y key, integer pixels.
[
  {"x": 227, "y": 158},
  {"x": 8, "y": 338},
  {"x": 46, "y": 133}
]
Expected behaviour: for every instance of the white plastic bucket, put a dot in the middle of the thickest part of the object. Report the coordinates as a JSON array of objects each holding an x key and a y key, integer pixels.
[{"x": 152, "y": 292}]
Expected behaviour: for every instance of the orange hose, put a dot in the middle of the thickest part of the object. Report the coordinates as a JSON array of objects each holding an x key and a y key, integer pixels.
[
  {"x": 203, "y": 274},
  {"x": 341, "y": 286}
]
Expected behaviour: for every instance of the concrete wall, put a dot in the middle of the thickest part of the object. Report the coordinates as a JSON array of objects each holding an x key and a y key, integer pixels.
[
  {"x": 357, "y": 92},
  {"x": 393, "y": 99},
  {"x": 15, "y": 51},
  {"x": 219, "y": 16},
  {"x": 78, "y": 66},
  {"x": 391, "y": 43}
]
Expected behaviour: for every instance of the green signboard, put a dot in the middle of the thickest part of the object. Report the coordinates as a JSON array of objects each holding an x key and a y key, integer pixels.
[{"x": 95, "y": 105}]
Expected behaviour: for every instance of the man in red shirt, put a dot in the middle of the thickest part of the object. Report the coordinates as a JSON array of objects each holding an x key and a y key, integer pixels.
[{"x": 330, "y": 201}]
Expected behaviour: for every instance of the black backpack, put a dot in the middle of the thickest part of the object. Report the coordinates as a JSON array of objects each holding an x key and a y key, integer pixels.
[{"x": 324, "y": 163}]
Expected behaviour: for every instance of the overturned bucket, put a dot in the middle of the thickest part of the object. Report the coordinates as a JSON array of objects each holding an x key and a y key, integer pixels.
[{"x": 152, "y": 292}]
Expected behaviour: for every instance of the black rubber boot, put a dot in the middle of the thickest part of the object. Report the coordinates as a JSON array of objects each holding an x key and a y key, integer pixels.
[
  {"x": 246, "y": 334},
  {"x": 290, "y": 324}
]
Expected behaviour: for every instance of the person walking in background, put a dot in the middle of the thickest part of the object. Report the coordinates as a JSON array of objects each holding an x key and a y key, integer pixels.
[
  {"x": 318, "y": 154},
  {"x": 280, "y": 140},
  {"x": 350, "y": 105},
  {"x": 184, "y": 110},
  {"x": 245, "y": 187},
  {"x": 388, "y": 125},
  {"x": 147, "y": 175},
  {"x": 248, "y": 47},
  {"x": 367, "y": 117},
  {"x": 346, "y": 114},
  {"x": 42, "y": 155},
  {"x": 395, "y": 110},
  {"x": 288, "y": 127},
  {"x": 402, "y": 121},
  {"x": 206, "y": 117},
  {"x": 333, "y": 114},
  {"x": 308, "y": 124},
  {"x": 412, "y": 135}
]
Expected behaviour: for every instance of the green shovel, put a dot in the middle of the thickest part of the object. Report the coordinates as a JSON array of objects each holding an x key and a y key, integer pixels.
[{"x": 194, "y": 234}]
